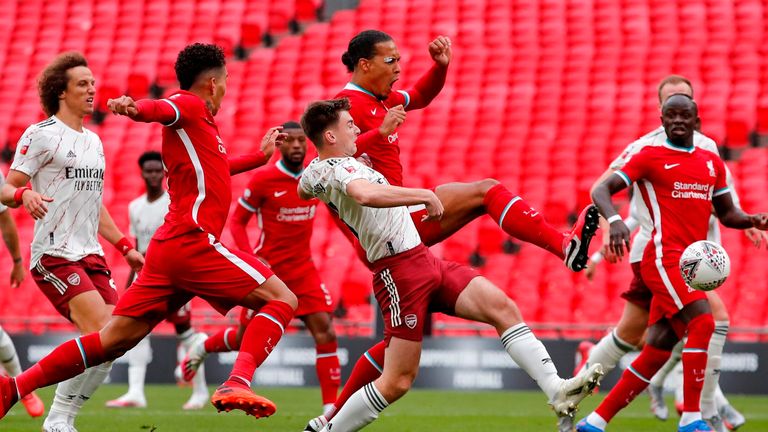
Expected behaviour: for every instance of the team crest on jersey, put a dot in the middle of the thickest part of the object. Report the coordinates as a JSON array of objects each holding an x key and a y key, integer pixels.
[
  {"x": 411, "y": 321},
  {"x": 711, "y": 166},
  {"x": 350, "y": 169},
  {"x": 74, "y": 279}
]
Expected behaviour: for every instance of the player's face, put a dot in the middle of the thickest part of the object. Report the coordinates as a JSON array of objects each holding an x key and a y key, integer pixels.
[
  {"x": 383, "y": 69},
  {"x": 81, "y": 89},
  {"x": 152, "y": 173},
  {"x": 346, "y": 133},
  {"x": 219, "y": 89},
  {"x": 294, "y": 147},
  {"x": 670, "y": 89},
  {"x": 679, "y": 120}
]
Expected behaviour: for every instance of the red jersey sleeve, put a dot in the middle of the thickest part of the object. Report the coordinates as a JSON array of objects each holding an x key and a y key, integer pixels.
[
  {"x": 253, "y": 195},
  {"x": 721, "y": 176},
  {"x": 426, "y": 88},
  {"x": 636, "y": 167}
]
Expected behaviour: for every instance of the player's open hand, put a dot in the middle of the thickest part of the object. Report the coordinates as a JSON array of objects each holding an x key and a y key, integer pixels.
[
  {"x": 760, "y": 221},
  {"x": 17, "y": 275},
  {"x": 394, "y": 118},
  {"x": 123, "y": 105},
  {"x": 273, "y": 137},
  {"x": 440, "y": 50},
  {"x": 757, "y": 237},
  {"x": 35, "y": 203},
  {"x": 434, "y": 207},
  {"x": 619, "y": 238},
  {"x": 135, "y": 260}
]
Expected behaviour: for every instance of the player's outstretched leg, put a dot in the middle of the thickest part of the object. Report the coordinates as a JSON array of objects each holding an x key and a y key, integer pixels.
[{"x": 10, "y": 362}]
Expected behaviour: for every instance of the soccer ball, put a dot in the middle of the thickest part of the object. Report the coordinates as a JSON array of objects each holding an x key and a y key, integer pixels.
[{"x": 704, "y": 265}]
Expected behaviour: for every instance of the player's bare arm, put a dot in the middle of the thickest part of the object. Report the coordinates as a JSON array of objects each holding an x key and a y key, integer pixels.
[
  {"x": 11, "y": 239},
  {"x": 369, "y": 194},
  {"x": 733, "y": 217},
  {"x": 604, "y": 225},
  {"x": 15, "y": 193},
  {"x": 111, "y": 233},
  {"x": 601, "y": 196}
]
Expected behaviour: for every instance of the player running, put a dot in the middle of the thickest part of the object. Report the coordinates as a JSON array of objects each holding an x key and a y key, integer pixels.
[
  {"x": 409, "y": 282},
  {"x": 9, "y": 359},
  {"x": 285, "y": 222},
  {"x": 679, "y": 184},
  {"x": 185, "y": 257},
  {"x": 145, "y": 214},
  {"x": 65, "y": 162}
]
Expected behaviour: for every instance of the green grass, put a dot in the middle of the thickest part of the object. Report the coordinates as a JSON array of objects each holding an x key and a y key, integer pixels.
[{"x": 420, "y": 410}]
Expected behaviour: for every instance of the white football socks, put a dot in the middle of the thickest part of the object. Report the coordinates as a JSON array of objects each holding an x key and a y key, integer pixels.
[
  {"x": 8, "y": 356},
  {"x": 712, "y": 377},
  {"x": 531, "y": 355},
  {"x": 94, "y": 377},
  {"x": 138, "y": 359},
  {"x": 361, "y": 409},
  {"x": 608, "y": 351},
  {"x": 62, "y": 400}
]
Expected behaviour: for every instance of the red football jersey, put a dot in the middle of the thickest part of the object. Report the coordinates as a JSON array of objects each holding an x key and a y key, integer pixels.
[
  {"x": 368, "y": 113},
  {"x": 197, "y": 170},
  {"x": 285, "y": 219},
  {"x": 677, "y": 186}
]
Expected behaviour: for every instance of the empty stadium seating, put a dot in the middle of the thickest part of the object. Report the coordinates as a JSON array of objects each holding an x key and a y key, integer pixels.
[{"x": 540, "y": 95}]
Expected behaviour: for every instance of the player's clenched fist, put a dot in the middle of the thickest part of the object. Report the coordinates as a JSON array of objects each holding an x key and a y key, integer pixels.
[
  {"x": 35, "y": 203},
  {"x": 440, "y": 50},
  {"x": 433, "y": 206},
  {"x": 394, "y": 118},
  {"x": 123, "y": 105}
]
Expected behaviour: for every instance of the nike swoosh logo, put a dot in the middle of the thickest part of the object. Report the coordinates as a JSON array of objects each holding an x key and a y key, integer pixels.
[
  {"x": 669, "y": 166},
  {"x": 279, "y": 194},
  {"x": 373, "y": 111}
]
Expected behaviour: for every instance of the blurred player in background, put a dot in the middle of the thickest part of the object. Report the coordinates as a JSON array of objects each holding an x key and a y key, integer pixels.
[
  {"x": 285, "y": 222},
  {"x": 65, "y": 162},
  {"x": 630, "y": 330},
  {"x": 409, "y": 282},
  {"x": 145, "y": 214},
  {"x": 9, "y": 360},
  {"x": 679, "y": 184},
  {"x": 374, "y": 61},
  {"x": 184, "y": 257}
]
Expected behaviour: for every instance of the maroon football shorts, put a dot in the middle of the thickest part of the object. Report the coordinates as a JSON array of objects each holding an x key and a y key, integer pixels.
[
  {"x": 193, "y": 264},
  {"x": 61, "y": 280},
  {"x": 414, "y": 283},
  {"x": 637, "y": 293}
]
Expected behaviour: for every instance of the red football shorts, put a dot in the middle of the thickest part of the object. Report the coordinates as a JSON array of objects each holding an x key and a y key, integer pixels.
[
  {"x": 414, "y": 283},
  {"x": 304, "y": 281},
  {"x": 193, "y": 264},
  {"x": 61, "y": 280},
  {"x": 181, "y": 316},
  {"x": 670, "y": 293},
  {"x": 637, "y": 293}
]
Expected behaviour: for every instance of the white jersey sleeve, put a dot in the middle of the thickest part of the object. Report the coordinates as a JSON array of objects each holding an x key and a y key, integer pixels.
[
  {"x": 35, "y": 148},
  {"x": 382, "y": 232},
  {"x": 3, "y": 208}
]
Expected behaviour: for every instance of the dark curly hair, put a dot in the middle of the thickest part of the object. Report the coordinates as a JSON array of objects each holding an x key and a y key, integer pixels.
[
  {"x": 150, "y": 155},
  {"x": 320, "y": 115},
  {"x": 195, "y": 59},
  {"x": 53, "y": 80},
  {"x": 363, "y": 45}
]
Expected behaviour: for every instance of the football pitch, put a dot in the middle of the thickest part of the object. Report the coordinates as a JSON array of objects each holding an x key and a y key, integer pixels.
[{"x": 420, "y": 410}]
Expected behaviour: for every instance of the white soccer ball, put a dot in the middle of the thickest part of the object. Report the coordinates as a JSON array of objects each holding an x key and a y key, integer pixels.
[{"x": 705, "y": 265}]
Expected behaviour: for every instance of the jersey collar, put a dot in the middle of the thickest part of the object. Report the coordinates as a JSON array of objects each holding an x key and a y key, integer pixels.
[
  {"x": 671, "y": 146},
  {"x": 282, "y": 168},
  {"x": 353, "y": 86}
]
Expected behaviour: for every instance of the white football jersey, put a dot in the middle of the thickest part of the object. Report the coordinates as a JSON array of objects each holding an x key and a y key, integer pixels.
[
  {"x": 3, "y": 208},
  {"x": 67, "y": 166},
  {"x": 382, "y": 232},
  {"x": 146, "y": 217},
  {"x": 637, "y": 208}
]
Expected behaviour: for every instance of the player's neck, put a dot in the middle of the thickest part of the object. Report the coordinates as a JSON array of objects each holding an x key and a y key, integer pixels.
[
  {"x": 72, "y": 120},
  {"x": 155, "y": 194},
  {"x": 687, "y": 144},
  {"x": 292, "y": 167},
  {"x": 364, "y": 85}
]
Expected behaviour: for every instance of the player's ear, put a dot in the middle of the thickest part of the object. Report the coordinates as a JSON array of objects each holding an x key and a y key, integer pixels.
[{"x": 329, "y": 136}]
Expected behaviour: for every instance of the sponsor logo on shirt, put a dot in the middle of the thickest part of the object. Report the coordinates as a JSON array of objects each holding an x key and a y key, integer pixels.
[
  {"x": 296, "y": 214},
  {"x": 86, "y": 179},
  {"x": 692, "y": 191},
  {"x": 280, "y": 193},
  {"x": 392, "y": 138}
]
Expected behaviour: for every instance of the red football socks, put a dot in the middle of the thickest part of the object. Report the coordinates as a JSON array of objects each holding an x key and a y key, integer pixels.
[
  {"x": 368, "y": 367},
  {"x": 66, "y": 361},
  {"x": 522, "y": 221},
  {"x": 223, "y": 341},
  {"x": 260, "y": 338},
  {"x": 328, "y": 371},
  {"x": 633, "y": 381},
  {"x": 695, "y": 360}
]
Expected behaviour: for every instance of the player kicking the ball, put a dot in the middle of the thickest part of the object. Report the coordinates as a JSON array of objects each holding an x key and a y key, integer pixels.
[{"x": 408, "y": 280}]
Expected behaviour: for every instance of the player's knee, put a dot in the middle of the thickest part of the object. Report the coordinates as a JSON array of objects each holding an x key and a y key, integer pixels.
[
  {"x": 289, "y": 297},
  {"x": 632, "y": 335},
  {"x": 325, "y": 336},
  {"x": 484, "y": 185},
  {"x": 400, "y": 385}
]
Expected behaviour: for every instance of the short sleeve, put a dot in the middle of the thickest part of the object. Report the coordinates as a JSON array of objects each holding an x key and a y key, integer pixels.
[
  {"x": 253, "y": 195},
  {"x": 721, "y": 177},
  {"x": 347, "y": 171},
  {"x": 306, "y": 185},
  {"x": 32, "y": 152},
  {"x": 635, "y": 167},
  {"x": 2, "y": 182}
]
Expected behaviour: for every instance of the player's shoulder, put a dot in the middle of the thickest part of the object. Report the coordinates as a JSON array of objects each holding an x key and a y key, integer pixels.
[
  {"x": 184, "y": 99},
  {"x": 45, "y": 128},
  {"x": 655, "y": 137},
  {"x": 702, "y": 141},
  {"x": 137, "y": 203}
]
